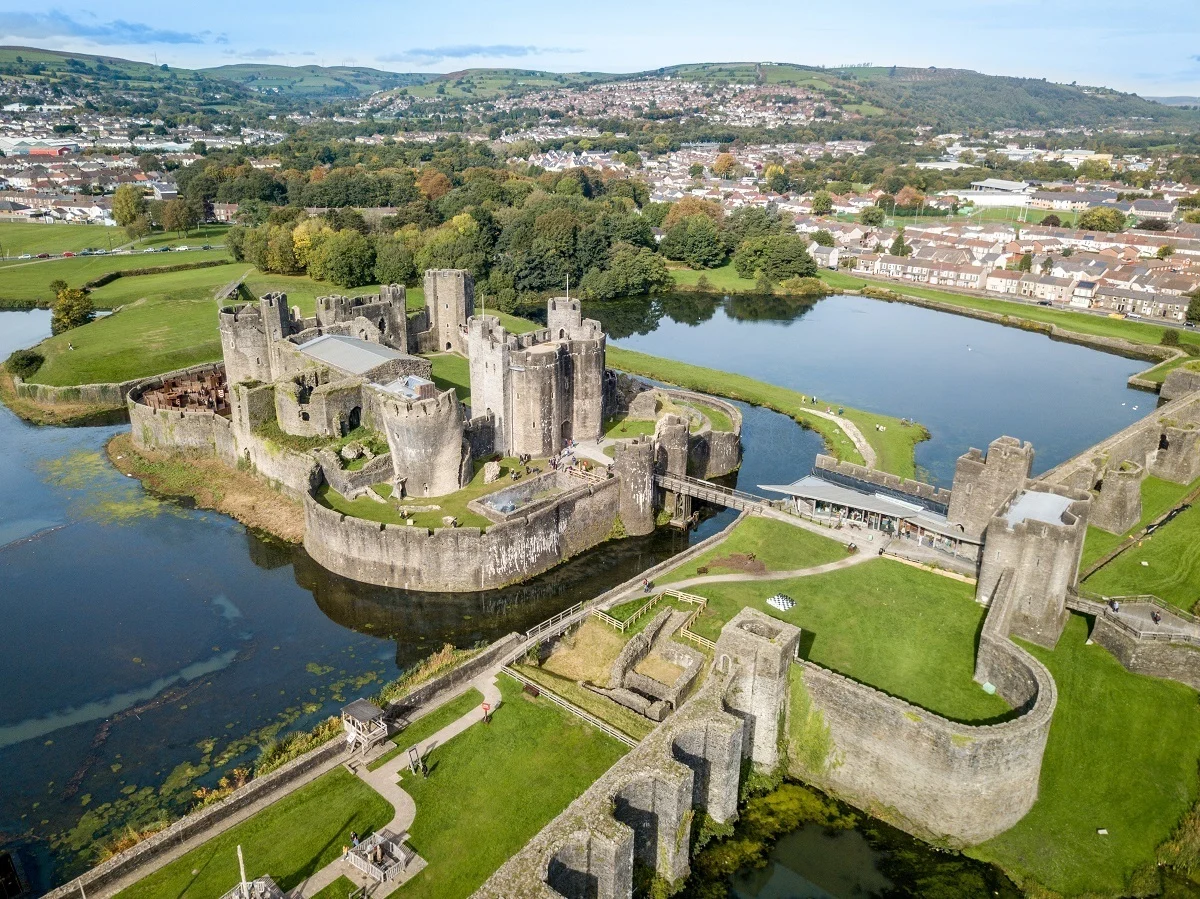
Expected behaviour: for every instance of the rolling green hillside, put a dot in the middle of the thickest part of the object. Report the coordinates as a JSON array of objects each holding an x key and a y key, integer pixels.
[{"x": 314, "y": 81}]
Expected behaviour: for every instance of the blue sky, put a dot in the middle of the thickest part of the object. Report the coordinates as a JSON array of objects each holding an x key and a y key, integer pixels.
[{"x": 1150, "y": 49}]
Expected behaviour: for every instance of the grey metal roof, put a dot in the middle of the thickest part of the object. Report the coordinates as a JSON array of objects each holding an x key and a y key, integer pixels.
[
  {"x": 815, "y": 488},
  {"x": 407, "y": 387},
  {"x": 1035, "y": 506},
  {"x": 349, "y": 354},
  {"x": 362, "y": 710}
]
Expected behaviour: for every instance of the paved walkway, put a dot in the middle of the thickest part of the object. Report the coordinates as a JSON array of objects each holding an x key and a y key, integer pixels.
[
  {"x": 385, "y": 781},
  {"x": 870, "y": 459}
]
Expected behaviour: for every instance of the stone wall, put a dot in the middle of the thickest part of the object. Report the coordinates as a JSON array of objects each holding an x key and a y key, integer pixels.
[
  {"x": 634, "y": 466},
  {"x": 1179, "y": 382},
  {"x": 351, "y": 483},
  {"x": 461, "y": 559},
  {"x": 934, "y": 777},
  {"x": 888, "y": 482},
  {"x": 1151, "y": 651},
  {"x": 426, "y": 439},
  {"x": 982, "y": 484}
]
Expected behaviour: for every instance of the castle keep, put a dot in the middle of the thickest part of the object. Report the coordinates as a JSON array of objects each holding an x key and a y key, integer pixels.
[{"x": 354, "y": 368}]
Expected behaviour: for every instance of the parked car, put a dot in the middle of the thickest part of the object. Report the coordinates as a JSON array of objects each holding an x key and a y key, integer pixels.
[
  {"x": 68, "y": 254},
  {"x": 25, "y": 256},
  {"x": 149, "y": 250},
  {"x": 43, "y": 255},
  {"x": 207, "y": 246},
  {"x": 163, "y": 250},
  {"x": 182, "y": 248}
]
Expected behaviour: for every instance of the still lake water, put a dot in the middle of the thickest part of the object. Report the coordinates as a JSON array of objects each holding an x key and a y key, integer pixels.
[
  {"x": 149, "y": 647},
  {"x": 967, "y": 381}
]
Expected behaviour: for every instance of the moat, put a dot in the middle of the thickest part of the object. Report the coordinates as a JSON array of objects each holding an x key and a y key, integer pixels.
[{"x": 203, "y": 640}]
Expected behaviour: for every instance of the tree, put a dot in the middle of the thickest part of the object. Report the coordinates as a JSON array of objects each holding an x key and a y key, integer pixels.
[
  {"x": 822, "y": 203},
  {"x": 1026, "y": 263},
  {"x": 724, "y": 165},
  {"x": 1166, "y": 251},
  {"x": 139, "y": 227},
  {"x": 1102, "y": 218},
  {"x": 148, "y": 162},
  {"x": 1152, "y": 225},
  {"x": 394, "y": 262},
  {"x": 689, "y": 206},
  {"x": 696, "y": 241},
  {"x": 899, "y": 247},
  {"x": 1193, "y": 309},
  {"x": 72, "y": 308},
  {"x": 1047, "y": 265},
  {"x": 872, "y": 216},
  {"x": 433, "y": 185},
  {"x": 57, "y": 286},
  {"x": 695, "y": 170},
  {"x": 347, "y": 259},
  {"x": 909, "y": 197},
  {"x": 776, "y": 256},
  {"x": 178, "y": 215},
  {"x": 128, "y": 204},
  {"x": 1052, "y": 221},
  {"x": 823, "y": 238}
]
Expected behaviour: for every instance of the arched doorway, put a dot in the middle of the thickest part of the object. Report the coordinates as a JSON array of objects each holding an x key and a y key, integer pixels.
[{"x": 354, "y": 419}]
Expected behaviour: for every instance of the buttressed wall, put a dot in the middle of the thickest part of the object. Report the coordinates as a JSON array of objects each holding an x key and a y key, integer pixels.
[{"x": 641, "y": 809}]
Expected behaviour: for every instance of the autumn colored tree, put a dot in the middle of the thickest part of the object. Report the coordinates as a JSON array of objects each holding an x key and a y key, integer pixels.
[
  {"x": 724, "y": 166},
  {"x": 72, "y": 308},
  {"x": 689, "y": 206},
  {"x": 433, "y": 185}
]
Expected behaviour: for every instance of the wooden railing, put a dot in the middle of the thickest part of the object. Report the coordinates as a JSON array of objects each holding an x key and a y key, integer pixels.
[
  {"x": 623, "y": 626},
  {"x": 571, "y": 707},
  {"x": 554, "y": 620}
]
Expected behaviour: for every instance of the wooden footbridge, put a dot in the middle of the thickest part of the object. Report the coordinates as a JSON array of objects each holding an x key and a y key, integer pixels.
[{"x": 712, "y": 493}]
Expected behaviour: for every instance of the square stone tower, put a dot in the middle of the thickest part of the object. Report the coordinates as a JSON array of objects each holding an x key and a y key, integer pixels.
[
  {"x": 450, "y": 301},
  {"x": 983, "y": 483},
  {"x": 1037, "y": 537}
]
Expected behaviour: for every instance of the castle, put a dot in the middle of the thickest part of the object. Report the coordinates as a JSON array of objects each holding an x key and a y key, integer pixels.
[{"x": 292, "y": 388}]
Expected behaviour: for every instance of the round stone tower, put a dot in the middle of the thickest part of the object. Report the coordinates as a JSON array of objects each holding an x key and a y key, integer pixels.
[
  {"x": 426, "y": 440},
  {"x": 244, "y": 344},
  {"x": 540, "y": 423}
]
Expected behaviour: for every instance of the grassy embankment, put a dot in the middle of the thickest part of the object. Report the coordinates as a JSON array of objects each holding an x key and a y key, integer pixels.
[
  {"x": 290, "y": 839},
  {"x": 1165, "y": 563},
  {"x": 486, "y": 795},
  {"x": 904, "y": 631},
  {"x": 774, "y": 545},
  {"x": 1158, "y": 498},
  {"x": 213, "y": 485},
  {"x": 493, "y": 787},
  {"x": 1122, "y": 756},
  {"x": 17, "y": 238},
  {"x": 24, "y": 285},
  {"x": 893, "y": 446}
]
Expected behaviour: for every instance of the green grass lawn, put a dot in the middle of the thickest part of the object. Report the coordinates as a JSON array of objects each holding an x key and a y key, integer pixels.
[
  {"x": 722, "y": 278},
  {"x": 28, "y": 283},
  {"x": 452, "y": 370},
  {"x": 1158, "y": 498},
  {"x": 452, "y": 504},
  {"x": 904, "y": 631},
  {"x": 893, "y": 447},
  {"x": 339, "y": 889},
  {"x": 621, "y": 427},
  {"x": 778, "y": 545},
  {"x": 290, "y": 840},
  {"x": 428, "y": 725},
  {"x": 719, "y": 420},
  {"x": 1122, "y": 755},
  {"x": 172, "y": 327},
  {"x": 1172, "y": 572},
  {"x": 493, "y": 787},
  {"x": 611, "y": 713},
  {"x": 57, "y": 237}
]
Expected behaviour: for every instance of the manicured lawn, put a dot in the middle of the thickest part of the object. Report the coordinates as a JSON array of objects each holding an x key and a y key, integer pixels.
[
  {"x": 339, "y": 889},
  {"x": 1122, "y": 756},
  {"x": 453, "y": 504},
  {"x": 452, "y": 370},
  {"x": 1172, "y": 569},
  {"x": 31, "y": 237},
  {"x": 904, "y": 631},
  {"x": 894, "y": 447},
  {"x": 778, "y": 545},
  {"x": 428, "y": 725},
  {"x": 28, "y": 283},
  {"x": 622, "y": 427},
  {"x": 290, "y": 840},
  {"x": 1158, "y": 498},
  {"x": 493, "y": 787},
  {"x": 723, "y": 278},
  {"x": 719, "y": 420}
]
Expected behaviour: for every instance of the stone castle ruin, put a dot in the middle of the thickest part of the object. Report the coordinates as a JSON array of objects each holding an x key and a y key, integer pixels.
[{"x": 357, "y": 363}]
